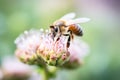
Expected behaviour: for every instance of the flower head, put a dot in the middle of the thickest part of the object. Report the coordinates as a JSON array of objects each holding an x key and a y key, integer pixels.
[
  {"x": 27, "y": 44},
  {"x": 54, "y": 53},
  {"x": 12, "y": 69},
  {"x": 78, "y": 50},
  {"x": 38, "y": 47}
]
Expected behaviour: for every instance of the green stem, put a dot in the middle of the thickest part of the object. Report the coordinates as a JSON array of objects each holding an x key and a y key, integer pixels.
[
  {"x": 45, "y": 74},
  {"x": 45, "y": 70}
]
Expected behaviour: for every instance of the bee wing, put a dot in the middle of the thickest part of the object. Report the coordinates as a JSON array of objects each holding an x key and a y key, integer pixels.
[
  {"x": 68, "y": 16},
  {"x": 78, "y": 20}
]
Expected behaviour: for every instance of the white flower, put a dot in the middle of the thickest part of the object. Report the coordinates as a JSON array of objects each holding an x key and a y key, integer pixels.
[
  {"x": 36, "y": 46},
  {"x": 12, "y": 69},
  {"x": 27, "y": 44},
  {"x": 78, "y": 50}
]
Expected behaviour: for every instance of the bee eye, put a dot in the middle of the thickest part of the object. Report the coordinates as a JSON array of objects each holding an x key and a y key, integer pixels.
[{"x": 56, "y": 29}]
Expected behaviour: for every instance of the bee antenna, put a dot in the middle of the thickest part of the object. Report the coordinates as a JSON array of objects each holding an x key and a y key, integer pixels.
[{"x": 51, "y": 26}]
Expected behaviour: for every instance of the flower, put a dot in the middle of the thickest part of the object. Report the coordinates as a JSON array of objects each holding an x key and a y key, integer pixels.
[
  {"x": 12, "y": 69},
  {"x": 27, "y": 44},
  {"x": 78, "y": 50},
  {"x": 54, "y": 53},
  {"x": 38, "y": 47}
]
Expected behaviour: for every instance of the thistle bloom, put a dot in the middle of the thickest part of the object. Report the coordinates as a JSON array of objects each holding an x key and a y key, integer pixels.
[
  {"x": 38, "y": 47},
  {"x": 78, "y": 50}
]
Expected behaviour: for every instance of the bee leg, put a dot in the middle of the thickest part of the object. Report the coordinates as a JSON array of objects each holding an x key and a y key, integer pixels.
[
  {"x": 65, "y": 34},
  {"x": 68, "y": 42},
  {"x": 58, "y": 35},
  {"x": 71, "y": 34},
  {"x": 69, "y": 39},
  {"x": 52, "y": 33}
]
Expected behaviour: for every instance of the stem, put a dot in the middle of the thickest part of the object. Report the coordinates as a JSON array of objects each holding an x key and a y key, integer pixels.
[
  {"x": 45, "y": 73},
  {"x": 45, "y": 70}
]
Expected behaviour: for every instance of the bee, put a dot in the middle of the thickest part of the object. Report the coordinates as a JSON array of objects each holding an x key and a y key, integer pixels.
[{"x": 67, "y": 26}]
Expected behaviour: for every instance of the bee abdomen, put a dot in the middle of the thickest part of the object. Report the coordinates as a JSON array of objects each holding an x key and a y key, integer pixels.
[{"x": 75, "y": 28}]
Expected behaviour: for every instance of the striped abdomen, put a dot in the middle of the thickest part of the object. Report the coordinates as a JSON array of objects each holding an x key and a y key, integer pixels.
[{"x": 75, "y": 28}]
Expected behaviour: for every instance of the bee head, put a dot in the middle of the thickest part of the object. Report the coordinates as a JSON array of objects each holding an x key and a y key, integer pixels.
[{"x": 59, "y": 23}]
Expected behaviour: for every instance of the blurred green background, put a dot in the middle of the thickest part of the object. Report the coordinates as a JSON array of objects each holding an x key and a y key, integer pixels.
[{"x": 102, "y": 33}]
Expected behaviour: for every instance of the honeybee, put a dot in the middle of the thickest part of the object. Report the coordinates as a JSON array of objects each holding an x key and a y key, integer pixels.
[{"x": 67, "y": 26}]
